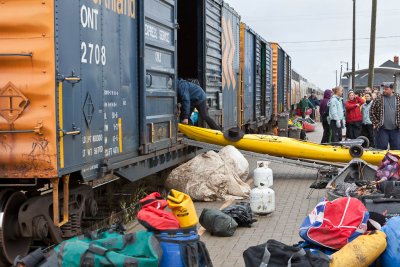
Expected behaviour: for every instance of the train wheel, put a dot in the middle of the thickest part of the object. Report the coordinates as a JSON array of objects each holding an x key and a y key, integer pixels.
[{"x": 11, "y": 244}]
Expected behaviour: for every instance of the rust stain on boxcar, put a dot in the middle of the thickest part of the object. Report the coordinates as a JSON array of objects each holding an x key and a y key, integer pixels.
[{"x": 28, "y": 145}]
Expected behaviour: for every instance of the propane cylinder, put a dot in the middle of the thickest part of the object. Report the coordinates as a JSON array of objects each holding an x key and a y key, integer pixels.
[
  {"x": 263, "y": 175},
  {"x": 262, "y": 200}
]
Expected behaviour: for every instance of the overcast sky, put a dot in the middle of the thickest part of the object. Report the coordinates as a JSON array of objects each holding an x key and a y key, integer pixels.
[{"x": 314, "y": 20}]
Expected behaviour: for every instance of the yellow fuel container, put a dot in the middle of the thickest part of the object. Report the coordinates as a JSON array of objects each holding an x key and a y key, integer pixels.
[
  {"x": 183, "y": 208},
  {"x": 361, "y": 252}
]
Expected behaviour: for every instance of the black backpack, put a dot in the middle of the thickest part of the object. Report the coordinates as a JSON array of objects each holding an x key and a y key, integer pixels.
[
  {"x": 217, "y": 223},
  {"x": 241, "y": 213},
  {"x": 276, "y": 254}
]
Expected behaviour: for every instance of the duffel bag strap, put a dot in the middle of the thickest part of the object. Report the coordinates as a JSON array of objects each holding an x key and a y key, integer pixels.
[
  {"x": 190, "y": 255},
  {"x": 195, "y": 255},
  {"x": 205, "y": 260},
  {"x": 267, "y": 257},
  {"x": 87, "y": 259},
  {"x": 299, "y": 253}
]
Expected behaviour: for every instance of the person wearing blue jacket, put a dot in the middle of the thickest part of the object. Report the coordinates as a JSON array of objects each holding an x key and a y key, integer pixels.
[
  {"x": 336, "y": 114},
  {"x": 192, "y": 96}
]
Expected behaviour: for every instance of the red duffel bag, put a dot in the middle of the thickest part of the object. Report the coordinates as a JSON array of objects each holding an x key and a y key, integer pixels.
[
  {"x": 333, "y": 224},
  {"x": 153, "y": 216}
]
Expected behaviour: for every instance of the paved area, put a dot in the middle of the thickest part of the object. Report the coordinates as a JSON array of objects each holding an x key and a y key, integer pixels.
[
  {"x": 291, "y": 186},
  {"x": 292, "y": 206}
]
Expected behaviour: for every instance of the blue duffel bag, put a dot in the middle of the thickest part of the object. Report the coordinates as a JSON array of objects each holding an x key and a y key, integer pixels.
[{"x": 391, "y": 256}]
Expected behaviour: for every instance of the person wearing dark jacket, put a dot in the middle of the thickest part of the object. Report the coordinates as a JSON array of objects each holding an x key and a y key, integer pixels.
[
  {"x": 324, "y": 112},
  {"x": 385, "y": 118},
  {"x": 353, "y": 115},
  {"x": 192, "y": 96},
  {"x": 304, "y": 105},
  {"x": 315, "y": 102}
]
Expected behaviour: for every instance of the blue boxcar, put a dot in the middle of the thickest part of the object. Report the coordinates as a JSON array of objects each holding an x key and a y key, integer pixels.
[
  {"x": 208, "y": 52},
  {"x": 255, "y": 97},
  {"x": 119, "y": 98}
]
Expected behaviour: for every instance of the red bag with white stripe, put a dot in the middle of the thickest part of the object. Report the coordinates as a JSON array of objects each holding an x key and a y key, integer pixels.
[{"x": 333, "y": 224}]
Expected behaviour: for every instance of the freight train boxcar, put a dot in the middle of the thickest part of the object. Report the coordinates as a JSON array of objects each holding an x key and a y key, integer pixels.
[
  {"x": 255, "y": 90},
  {"x": 208, "y": 45},
  {"x": 281, "y": 79},
  {"x": 295, "y": 93},
  {"x": 86, "y": 88}
]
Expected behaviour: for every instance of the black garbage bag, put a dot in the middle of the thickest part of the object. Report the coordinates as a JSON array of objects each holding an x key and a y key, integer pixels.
[{"x": 241, "y": 213}]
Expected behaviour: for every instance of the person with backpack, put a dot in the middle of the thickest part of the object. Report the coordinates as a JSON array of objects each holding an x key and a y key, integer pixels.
[
  {"x": 353, "y": 115},
  {"x": 336, "y": 114},
  {"x": 324, "y": 111},
  {"x": 367, "y": 129}
]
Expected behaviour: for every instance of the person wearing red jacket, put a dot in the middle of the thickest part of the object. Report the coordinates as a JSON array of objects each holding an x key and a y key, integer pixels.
[{"x": 353, "y": 115}]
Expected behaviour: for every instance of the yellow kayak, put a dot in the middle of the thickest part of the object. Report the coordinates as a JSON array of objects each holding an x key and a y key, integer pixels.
[{"x": 283, "y": 146}]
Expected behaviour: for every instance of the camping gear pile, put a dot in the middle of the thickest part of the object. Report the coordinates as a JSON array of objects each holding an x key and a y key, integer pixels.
[
  {"x": 212, "y": 176},
  {"x": 171, "y": 239},
  {"x": 176, "y": 231},
  {"x": 345, "y": 229},
  {"x": 379, "y": 189},
  {"x": 336, "y": 233},
  {"x": 262, "y": 201}
]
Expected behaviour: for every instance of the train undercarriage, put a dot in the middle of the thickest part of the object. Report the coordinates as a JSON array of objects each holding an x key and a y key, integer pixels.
[{"x": 42, "y": 216}]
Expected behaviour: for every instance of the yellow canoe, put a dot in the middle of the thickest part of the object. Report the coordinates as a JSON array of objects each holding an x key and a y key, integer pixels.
[{"x": 282, "y": 146}]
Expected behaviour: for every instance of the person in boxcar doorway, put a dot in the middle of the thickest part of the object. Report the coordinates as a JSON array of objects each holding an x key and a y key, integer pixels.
[
  {"x": 315, "y": 102},
  {"x": 336, "y": 114},
  {"x": 192, "y": 96},
  {"x": 367, "y": 129},
  {"x": 324, "y": 112},
  {"x": 353, "y": 115},
  {"x": 304, "y": 105},
  {"x": 385, "y": 118}
]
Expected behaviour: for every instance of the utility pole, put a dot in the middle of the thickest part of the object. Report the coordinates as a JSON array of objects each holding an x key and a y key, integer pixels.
[
  {"x": 347, "y": 64},
  {"x": 353, "y": 74},
  {"x": 372, "y": 45},
  {"x": 341, "y": 72},
  {"x": 336, "y": 77}
]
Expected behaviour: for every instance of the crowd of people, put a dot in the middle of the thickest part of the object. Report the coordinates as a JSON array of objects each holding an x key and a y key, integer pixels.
[{"x": 368, "y": 113}]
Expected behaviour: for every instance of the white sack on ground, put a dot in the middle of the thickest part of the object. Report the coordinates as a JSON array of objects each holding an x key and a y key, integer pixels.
[
  {"x": 207, "y": 178},
  {"x": 232, "y": 156}
]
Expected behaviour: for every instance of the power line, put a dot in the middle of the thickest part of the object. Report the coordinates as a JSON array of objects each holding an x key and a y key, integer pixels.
[{"x": 337, "y": 40}]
